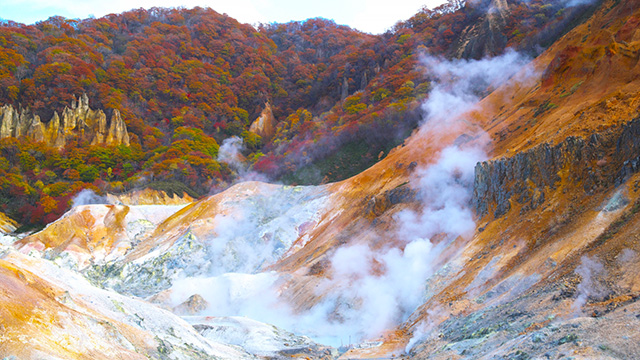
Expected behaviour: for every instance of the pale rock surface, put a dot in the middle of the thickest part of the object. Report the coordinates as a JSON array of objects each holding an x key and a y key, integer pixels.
[
  {"x": 244, "y": 230},
  {"x": 259, "y": 338},
  {"x": 69, "y": 318},
  {"x": 265, "y": 124},
  {"x": 79, "y": 119},
  {"x": 7, "y": 225},
  {"x": 149, "y": 197},
  {"x": 95, "y": 234}
]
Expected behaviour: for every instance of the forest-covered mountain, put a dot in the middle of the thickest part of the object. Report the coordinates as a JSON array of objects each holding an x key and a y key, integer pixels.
[
  {"x": 506, "y": 225},
  {"x": 185, "y": 80}
]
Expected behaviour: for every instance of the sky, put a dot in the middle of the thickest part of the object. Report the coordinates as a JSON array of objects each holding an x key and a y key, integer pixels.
[{"x": 372, "y": 16}]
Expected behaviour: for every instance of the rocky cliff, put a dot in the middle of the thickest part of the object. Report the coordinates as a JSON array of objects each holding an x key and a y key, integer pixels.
[
  {"x": 529, "y": 177},
  {"x": 265, "y": 124},
  {"x": 78, "y": 120},
  {"x": 484, "y": 38}
]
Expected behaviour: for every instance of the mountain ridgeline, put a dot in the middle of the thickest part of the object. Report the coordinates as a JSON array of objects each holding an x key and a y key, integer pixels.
[
  {"x": 488, "y": 202},
  {"x": 177, "y": 82}
]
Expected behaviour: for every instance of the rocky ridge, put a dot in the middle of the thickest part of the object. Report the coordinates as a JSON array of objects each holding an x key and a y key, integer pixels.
[
  {"x": 78, "y": 120},
  {"x": 528, "y": 177}
]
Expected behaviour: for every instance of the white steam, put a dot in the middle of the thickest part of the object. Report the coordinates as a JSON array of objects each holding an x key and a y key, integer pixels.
[
  {"x": 88, "y": 197},
  {"x": 384, "y": 287},
  {"x": 589, "y": 270},
  {"x": 374, "y": 290},
  {"x": 459, "y": 84},
  {"x": 377, "y": 301},
  {"x": 250, "y": 295},
  {"x": 446, "y": 188},
  {"x": 230, "y": 152},
  {"x": 384, "y": 298},
  {"x": 368, "y": 289},
  {"x": 422, "y": 330}
]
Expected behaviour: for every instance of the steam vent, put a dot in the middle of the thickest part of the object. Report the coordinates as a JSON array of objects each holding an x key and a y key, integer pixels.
[{"x": 463, "y": 185}]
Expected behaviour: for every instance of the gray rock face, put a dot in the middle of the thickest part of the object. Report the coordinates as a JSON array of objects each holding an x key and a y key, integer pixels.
[
  {"x": 377, "y": 205},
  {"x": 628, "y": 149},
  {"x": 78, "y": 120},
  {"x": 601, "y": 160},
  {"x": 484, "y": 37}
]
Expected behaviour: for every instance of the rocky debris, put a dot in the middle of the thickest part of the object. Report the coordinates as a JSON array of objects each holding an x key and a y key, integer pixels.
[
  {"x": 531, "y": 328},
  {"x": 265, "y": 124},
  {"x": 194, "y": 304},
  {"x": 154, "y": 273},
  {"x": 260, "y": 339},
  {"x": 78, "y": 120},
  {"x": 530, "y": 176}
]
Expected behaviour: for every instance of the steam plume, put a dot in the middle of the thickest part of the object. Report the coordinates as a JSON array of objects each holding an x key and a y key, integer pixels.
[
  {"x": 371, "y": 290},
  {"x": 589, "y": 270},
  {"x": 231, "y": 152},
  {"x": 88, "y": 197}
]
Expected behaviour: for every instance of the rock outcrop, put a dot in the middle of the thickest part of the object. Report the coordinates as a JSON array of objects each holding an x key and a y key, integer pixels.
[
  {"x": 149, "y": 197},
  {"x": 601, "y": 160},
  {"x": 192, "y": 306},
  {"x": 265, "y": 124},
  {"x": 78, "y": 120},
  {"x": 484, "y": 38},
  {"x": 377, "y": 205},
  {"x": 7, "y": 225}
]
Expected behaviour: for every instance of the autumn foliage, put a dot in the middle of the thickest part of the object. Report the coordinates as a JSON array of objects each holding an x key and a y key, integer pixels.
[{"x": 184, "y": 80}]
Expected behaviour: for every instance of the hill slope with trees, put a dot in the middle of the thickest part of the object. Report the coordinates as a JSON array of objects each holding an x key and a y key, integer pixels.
[{"x": 184, "y": 80}]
